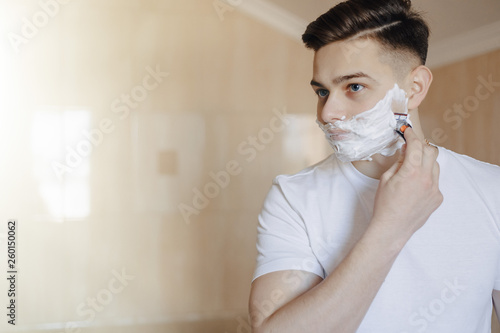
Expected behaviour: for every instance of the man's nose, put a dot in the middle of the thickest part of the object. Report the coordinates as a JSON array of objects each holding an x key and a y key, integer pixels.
[{"x": 331, "y": 111}]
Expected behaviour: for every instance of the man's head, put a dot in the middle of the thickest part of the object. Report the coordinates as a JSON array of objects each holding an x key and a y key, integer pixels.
[{"x": 363, "y": 47}]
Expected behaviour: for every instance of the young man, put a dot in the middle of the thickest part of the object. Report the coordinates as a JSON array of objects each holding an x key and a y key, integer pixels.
[{"x": 375, "y": 238}]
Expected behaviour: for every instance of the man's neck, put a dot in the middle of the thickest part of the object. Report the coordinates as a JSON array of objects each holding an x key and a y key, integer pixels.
[{"x": 377, "y": 166}]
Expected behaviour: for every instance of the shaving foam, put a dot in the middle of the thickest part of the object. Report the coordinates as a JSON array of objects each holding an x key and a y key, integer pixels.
[{"x": 370, "y": 132}]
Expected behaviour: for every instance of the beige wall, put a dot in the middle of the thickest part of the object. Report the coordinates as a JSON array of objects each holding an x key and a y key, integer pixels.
[
  {"x": 461, "y": 111},
  {"x": 116, "y": 208}
]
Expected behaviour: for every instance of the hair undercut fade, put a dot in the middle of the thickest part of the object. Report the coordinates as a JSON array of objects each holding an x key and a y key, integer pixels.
[{"x": 393, "y": 23}]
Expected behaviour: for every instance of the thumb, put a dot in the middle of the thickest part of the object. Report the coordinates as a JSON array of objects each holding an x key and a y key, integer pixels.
[{"x": 396, "y": 166}]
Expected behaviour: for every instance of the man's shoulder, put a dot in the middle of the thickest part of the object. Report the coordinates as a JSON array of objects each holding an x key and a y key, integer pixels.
[
  {"x": 467, "y": 163},
  {"x": 468, "y": 170}
]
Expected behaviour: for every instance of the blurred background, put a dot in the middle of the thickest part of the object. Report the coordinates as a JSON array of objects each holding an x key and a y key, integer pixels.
[{"x": 138, "y": 139}]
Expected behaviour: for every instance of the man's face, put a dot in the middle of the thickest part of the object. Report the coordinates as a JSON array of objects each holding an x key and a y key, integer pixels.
[{"x": 349, "y": 78}]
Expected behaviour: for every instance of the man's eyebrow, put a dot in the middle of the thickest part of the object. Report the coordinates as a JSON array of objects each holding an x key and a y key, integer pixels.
[
  {"x": 343, "y": 78},
  {"x": 314, "y": 83}
]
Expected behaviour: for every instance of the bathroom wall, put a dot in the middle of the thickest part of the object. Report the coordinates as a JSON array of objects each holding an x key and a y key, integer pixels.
[
  {"x": 138, "y": 139},
  {"x": 461, "y": 111}
]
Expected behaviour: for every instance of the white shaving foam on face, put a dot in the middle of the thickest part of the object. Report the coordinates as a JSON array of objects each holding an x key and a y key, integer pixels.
[{"x": 370, "y": 132}]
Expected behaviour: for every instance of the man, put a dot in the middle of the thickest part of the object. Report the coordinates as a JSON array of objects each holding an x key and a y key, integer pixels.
[{"x": 377, "y": 238}]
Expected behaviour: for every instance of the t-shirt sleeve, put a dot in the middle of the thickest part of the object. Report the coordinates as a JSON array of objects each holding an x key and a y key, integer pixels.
[
  {"x": 497, "y": 281},
  {"x": 282, "y": 238}
]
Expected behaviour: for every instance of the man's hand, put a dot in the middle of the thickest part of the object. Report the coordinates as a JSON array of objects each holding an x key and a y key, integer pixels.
[{"x": 408, "y": 192}]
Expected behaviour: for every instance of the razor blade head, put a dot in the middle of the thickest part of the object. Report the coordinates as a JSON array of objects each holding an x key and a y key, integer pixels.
[{"x": 401, "y": 123}]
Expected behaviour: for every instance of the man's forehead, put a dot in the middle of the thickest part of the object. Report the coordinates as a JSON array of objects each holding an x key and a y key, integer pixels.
[{"x": 356, "y": 58}]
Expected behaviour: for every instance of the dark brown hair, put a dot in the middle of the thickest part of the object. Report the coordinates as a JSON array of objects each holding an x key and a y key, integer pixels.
[{"x": 391, "y": 22}]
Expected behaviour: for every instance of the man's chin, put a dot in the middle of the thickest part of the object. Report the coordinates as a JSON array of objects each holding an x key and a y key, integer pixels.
[{"x": 387, "y": 154}]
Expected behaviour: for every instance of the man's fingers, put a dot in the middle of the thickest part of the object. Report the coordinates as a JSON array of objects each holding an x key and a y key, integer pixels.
[
  {"x": 435, "y": 172},
  {"x": 419, "y": 153},
  {"x": 417, "y": 159},
  {"x": 413, "y": 156},
  {"x": 395, "y": 167},
  {"x": 429, "y": 157},
  {"x": 409, "y": 134}
]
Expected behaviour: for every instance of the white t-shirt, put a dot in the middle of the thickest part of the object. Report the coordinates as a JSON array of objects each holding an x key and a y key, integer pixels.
[{"x": 442, "y": 281}]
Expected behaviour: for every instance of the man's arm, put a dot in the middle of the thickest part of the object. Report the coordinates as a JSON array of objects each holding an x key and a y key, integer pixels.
[
  {"x": 336, "y": 304},
  {"x": 340, "y": 302}
]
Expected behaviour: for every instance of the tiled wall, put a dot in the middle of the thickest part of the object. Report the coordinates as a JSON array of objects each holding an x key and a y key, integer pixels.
[
  {"x": 113, "y": 114},
  {"x": 461, "y": 111}
]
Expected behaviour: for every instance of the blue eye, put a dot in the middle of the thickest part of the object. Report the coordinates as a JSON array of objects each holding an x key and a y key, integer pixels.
[
  {"x": 355, "y": 87},
  {"x": 322, "y": 92}
]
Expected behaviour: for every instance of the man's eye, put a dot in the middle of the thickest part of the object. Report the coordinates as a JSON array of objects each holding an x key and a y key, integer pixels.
[
  {"x": 322, "y": 92},
  {"x": 355, "y": 87}
]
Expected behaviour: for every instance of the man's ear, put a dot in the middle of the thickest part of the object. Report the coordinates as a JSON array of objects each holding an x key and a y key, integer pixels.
[{"x": 420, "y": 81}]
